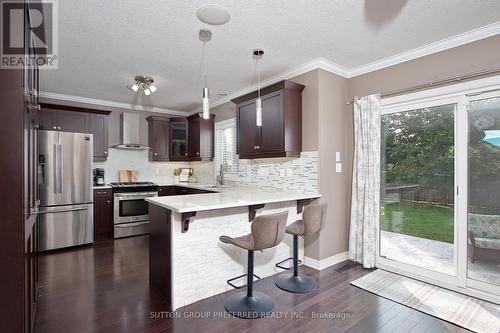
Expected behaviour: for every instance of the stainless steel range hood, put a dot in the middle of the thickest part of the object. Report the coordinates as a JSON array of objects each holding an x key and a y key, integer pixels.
[{"x": 129, "y": 132}]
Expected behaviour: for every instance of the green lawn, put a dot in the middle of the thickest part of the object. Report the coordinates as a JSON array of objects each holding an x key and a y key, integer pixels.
[{"x": 420, "y": 220}]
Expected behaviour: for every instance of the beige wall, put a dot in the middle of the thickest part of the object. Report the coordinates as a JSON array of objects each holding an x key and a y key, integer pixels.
[
  {"x": 326, "y": 127},
  {"x": 310, "y": 109},
  {"x": 224, "y": 111},
  {"x": 480, "y": 55}
]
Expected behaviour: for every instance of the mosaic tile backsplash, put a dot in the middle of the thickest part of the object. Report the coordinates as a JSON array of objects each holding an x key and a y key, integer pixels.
[
  {"x": 120, "y": 159},
  {"x": 300, "y": 174}
]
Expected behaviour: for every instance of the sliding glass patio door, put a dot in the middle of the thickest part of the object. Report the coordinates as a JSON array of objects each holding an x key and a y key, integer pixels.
[
  {"x": 483, "y": 208},
  {"x": 417, "y": 221},
  {"x": 440, "y": 187}
]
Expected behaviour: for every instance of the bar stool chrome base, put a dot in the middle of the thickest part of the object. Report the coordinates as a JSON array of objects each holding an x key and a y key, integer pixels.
[
  {"x": 249, "y": 307},
  {"x": 295, "y": 284}
]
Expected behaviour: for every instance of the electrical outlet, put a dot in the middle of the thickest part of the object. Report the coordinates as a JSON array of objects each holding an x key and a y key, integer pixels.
[
  {"x": 338, "y": 167},
  {"x": 282, "y": 172},
  {"x": 337, "y": 156}
]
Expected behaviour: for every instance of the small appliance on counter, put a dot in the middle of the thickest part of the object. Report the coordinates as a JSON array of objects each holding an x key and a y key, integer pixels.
[
  {"x": 183, "y": 174},
  {"x": 99, "y": 177}
]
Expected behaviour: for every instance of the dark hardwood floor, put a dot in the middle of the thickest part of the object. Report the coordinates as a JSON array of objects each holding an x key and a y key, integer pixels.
[{"x": 104, "y": 288}]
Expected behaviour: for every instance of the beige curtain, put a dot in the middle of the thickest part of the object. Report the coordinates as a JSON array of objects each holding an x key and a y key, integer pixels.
[{"x": 363, "y": 230}]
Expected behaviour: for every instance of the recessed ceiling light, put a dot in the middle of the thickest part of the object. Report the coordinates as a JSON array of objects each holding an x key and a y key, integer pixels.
[{"x": 213, "y": 14}]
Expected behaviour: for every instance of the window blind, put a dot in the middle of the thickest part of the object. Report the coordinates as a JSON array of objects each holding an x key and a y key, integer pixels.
[{"x": 225, "y": 147}]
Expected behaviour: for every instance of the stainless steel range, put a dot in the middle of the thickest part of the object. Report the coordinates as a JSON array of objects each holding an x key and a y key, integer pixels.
[{"x": 131, "y": 213}]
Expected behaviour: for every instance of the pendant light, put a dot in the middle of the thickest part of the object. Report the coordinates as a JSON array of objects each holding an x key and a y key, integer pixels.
[
  {"x": 205, "y": 36},
  {"x": 258, "y": 54}
]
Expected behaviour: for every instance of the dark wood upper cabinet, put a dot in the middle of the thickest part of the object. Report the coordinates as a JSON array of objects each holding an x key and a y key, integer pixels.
[
  {"x": 80, "y": 120},
  {"x": 201, "y": 138},
  {"x": 281, "y": 132},
  {"x": 103, "y": 214},
  {"x": 53, "y": 119},
  {"x": 159, "y": 138},
  {"x": 72, "y": 122},
  {"x": 179, "y": 137},
  {"x": 98, "y": 126},
  {"x": 48, "y": 119}
]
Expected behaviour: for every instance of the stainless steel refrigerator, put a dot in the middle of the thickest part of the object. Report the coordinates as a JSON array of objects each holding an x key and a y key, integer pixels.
[{"x": 65, "y": 189}]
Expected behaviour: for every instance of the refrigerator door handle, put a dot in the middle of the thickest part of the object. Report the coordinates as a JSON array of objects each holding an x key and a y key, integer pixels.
[
  {"x": 55, "y": 167},
  {"x": 60, "y": 168}
]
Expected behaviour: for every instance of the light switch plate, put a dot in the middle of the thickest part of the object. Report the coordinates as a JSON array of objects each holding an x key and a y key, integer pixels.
[
  {"x": 337, "y": 156},
  {"x": 338, "y": 167},
  {"x": 289, "y": 172},
  {"x": 282, "y": 172}
]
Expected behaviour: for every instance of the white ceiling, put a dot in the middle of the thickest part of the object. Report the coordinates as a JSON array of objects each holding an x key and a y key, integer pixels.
[{"x": 104, "y": 44}]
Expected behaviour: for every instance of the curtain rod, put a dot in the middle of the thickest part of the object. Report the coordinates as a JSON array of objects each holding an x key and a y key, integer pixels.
[{"x": 457, "y": 78}]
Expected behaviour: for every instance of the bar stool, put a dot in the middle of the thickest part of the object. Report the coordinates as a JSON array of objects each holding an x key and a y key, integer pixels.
[
  {"x": 313, "y": 221},
  {"x": 266, "y": 231}
]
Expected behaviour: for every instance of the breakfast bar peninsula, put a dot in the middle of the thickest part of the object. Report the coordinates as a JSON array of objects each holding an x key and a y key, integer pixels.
[{"x": 187, "y": 262}]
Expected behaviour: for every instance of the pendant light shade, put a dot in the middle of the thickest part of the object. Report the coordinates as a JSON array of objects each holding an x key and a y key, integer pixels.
[
  {"x": 258, "y": 54},
  {"x": 205, "y": 35},
  {"x": 206, "y": 103},
  {"x": 258, "y": 111}
]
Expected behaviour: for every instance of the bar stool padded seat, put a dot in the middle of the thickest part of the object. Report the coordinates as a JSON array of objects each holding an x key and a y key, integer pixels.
[
  {"x": 296, "y": 228},
  {"x": 244, "y": 242}
]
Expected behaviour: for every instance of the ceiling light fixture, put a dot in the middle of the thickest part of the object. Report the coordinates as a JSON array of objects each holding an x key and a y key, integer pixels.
[
  {"x": 213, "y": 14},
  {"x": 145, "y": 83},
  {"x": 205, "y": 35},
  {"x": 258, "y": 54}
]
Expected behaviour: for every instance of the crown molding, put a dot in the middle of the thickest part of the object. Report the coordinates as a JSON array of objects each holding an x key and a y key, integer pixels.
[
  {"x": 101, "y": 104},
  {"x": 318, "y": 63},
  {"x": 441, "y": 45}
]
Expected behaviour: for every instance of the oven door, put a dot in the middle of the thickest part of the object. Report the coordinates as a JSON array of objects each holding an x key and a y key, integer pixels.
[{"x": 131, "y": 207}]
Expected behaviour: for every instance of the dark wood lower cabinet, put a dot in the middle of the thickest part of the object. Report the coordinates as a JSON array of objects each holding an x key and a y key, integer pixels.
[
  {"x": 164, "y": 191},
  {"x": 103, "y": 214}
]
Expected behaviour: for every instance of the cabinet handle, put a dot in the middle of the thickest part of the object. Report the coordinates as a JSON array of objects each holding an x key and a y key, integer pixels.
[
  {"x": 58, "y": 127},
  {"x": 55, "y": 127},
  {"x": 198, "y": 153},
  {"x": 101, "y": 193},
  {"x": 156, "y": 154},
  {"x": 105, "y": 153},
  {"x": 108, "y": 201},
  {"x": 186, "y": 154}
]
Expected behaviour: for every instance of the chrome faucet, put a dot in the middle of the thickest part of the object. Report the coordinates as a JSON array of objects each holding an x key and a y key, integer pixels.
[{"x": 220, "y": 176}]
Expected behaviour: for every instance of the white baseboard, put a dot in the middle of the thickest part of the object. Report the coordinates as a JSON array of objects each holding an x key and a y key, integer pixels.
[{"x": 330, "y": 261}]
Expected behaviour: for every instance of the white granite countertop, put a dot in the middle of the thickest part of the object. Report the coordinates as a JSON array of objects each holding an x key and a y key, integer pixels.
[
  {"x": 227, "y": 197},
  {"x": 101, "y": 187}
]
